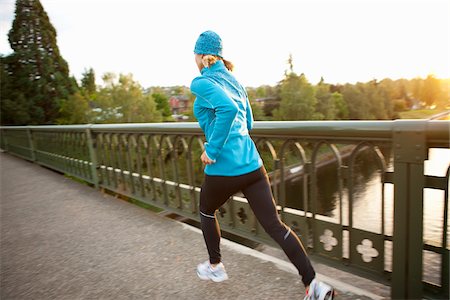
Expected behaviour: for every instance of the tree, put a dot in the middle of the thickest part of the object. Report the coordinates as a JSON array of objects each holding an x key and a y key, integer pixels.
[
  {"x": 357, "y": 102},
  {"x": 325, "y": 104},
  {"x": 431, "y": 92},
  {"x": 88, "y": 82},
  {"x": 298, "y": 100},
  {"x": 124, "y": 102},
  {"x": 367, "y": 101},
  {"x": 14, "y": 106},
  {"x": 340, "y": 106},
  {"x": 380, "y": 109},
  {"x": 162, "y": 104},
  {"x": 396, "y": 94},
  {"x": 75, "y": 110},
  {"x": 263, "y": 111},
  {"x": 35, "y": 70}
]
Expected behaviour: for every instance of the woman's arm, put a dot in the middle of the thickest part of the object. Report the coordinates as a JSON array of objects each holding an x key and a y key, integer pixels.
[
  {"x": 213, "y": 97},
  {"x": 249, "y": 115}
]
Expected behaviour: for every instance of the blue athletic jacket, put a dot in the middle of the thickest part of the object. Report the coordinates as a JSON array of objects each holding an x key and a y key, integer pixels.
[{"x": 224, "y": 114}]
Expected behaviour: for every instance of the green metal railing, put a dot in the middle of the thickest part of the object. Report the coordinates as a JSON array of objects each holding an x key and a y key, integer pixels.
[{"x": 158, "y": 163}]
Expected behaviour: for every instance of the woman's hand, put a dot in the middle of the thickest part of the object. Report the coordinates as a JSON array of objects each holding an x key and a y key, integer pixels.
[{"x": 204, "y": 158}]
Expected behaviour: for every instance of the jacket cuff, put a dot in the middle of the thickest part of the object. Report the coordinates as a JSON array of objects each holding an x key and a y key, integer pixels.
[{"x": 210, "y": 152}]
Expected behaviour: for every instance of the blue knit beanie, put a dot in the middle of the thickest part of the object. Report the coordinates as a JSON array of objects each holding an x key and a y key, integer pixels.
[{"x": 209, "y": 42}]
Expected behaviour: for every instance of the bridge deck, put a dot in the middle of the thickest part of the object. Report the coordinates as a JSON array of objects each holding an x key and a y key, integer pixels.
[{"x": 64, "y": 240}]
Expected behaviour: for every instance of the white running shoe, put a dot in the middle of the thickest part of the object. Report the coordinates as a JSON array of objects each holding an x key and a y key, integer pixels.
[
  {"x": 319, "y": 291},
  {"x": 207, "y": 272}
]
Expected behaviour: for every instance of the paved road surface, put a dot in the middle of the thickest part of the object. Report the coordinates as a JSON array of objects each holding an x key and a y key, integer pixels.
[{"x": 61, "y": 239}]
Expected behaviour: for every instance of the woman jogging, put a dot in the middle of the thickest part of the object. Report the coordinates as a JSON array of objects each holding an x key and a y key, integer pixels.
[{"x": 233, "y": 164}]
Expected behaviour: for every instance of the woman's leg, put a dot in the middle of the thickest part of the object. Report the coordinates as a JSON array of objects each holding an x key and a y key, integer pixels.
[
  {"x": 216, "y": 190},
  {"x": 259, "y": 196}
]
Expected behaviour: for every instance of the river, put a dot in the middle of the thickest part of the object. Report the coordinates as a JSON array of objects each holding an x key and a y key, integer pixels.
[{"x": 367, "y": 202}]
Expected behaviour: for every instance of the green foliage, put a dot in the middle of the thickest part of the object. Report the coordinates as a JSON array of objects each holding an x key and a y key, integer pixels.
[
  {"x": 36, "y": 74},
  {"x": 298, "y": 100},
  {"x": 357, "y": 103},
  {"x": 380, "y": 107},
  {"x": 88, "y": 82},
  {"x": 326, "y": 105},
  {"x": 15, "y": 112},
  {"x": 367, "y": 101},
  {"x": 162, "y": 104},
  {"x": 75, "y": 110},
  {"x": 399, "y": 105},
  {"x": 361, "y": 101},
  {"x": 262, "y": 111},
  {"x": 14, "y": 106},
  {"x": 340, "y": 106},
  {"x": 123, "y": 101},
  {"x": 331, "y": 105},
  {"x": 258, "y": 113},
  {"x": 265, "y": 91}
]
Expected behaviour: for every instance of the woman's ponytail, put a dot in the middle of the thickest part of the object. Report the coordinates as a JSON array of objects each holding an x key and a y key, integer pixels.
[
  {"x": 228, "y": 64},
  {"x": 209, "y": 60}
]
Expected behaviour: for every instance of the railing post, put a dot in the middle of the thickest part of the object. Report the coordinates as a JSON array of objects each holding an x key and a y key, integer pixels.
[
  {"x": 31, "y": 143},
  {"x": 5, "y": 140},
  {"x": 92, "y": 155},
  {"x": 410, "y": 152}
]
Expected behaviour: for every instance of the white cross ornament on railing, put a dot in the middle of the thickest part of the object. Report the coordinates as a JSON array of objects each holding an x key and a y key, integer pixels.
[
  {"x": 328, "y": 240},
  {"x": 367, "y": 251}
]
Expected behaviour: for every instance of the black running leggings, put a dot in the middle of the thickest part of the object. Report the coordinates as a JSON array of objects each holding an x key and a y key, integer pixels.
[{"x": 255, "y": 186}]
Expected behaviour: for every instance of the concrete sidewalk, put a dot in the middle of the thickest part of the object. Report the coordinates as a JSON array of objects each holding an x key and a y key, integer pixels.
[{"x": 64, "y": 240}]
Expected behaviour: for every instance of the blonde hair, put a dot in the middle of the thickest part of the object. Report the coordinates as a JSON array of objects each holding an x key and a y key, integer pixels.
[{"x": 209, "y": 60}]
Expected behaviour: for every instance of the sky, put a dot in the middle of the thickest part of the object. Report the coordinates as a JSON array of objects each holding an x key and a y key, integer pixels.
[{"x": 343, "y": 41}]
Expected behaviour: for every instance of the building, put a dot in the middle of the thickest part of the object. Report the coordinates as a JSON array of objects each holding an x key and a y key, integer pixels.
[{"x": 179, "y": 105}]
